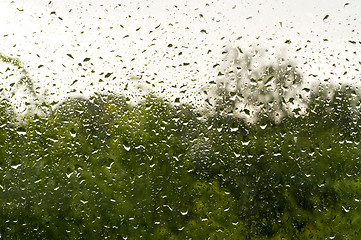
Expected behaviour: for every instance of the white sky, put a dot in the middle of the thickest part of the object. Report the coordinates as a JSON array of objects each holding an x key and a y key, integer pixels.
[{"x": 123, "y": 38}]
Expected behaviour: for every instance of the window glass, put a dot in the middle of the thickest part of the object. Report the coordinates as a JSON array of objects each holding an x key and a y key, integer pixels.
[{"x": 179, "y": 119}]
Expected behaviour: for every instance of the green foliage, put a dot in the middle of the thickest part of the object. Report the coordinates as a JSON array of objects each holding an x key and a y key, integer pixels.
[
  {"x": 24, "y": 79},
  {"x": 100, "y": 168},
  {"x": 254, "y": 90}
]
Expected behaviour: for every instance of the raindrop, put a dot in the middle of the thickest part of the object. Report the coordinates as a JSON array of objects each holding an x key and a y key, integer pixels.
[
  {"x": 126, "y": 148},
  {"x": 16, "y": 166},
  {"x": 325, "y": 18}
]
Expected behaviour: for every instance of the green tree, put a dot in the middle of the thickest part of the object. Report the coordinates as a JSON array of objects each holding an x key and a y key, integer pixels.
[{"x": 254, "y": 90}]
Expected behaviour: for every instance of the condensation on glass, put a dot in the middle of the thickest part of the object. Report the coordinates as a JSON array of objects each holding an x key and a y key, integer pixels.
[{"x": 180, "y": 120}]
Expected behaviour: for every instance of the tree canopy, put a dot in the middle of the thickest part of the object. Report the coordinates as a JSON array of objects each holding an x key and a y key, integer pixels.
[{"x": 102, "y": 168}]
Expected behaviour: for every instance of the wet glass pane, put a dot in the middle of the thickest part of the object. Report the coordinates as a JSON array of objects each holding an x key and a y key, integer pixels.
[{"x": 180, "y": 119}]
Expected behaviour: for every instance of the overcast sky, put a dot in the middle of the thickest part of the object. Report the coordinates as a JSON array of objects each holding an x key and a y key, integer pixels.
[{"x": 173, "y": 45}]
